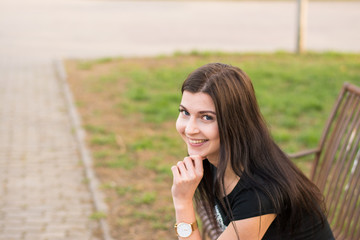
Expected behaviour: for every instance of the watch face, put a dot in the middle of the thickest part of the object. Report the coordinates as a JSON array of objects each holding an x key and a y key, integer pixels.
[{"x": 184, "y": 229}]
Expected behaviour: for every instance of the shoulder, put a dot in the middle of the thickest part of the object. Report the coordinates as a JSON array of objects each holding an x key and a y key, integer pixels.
[
  {"x": 249, "y": 200},
  {"x": 246, "y": 201}
]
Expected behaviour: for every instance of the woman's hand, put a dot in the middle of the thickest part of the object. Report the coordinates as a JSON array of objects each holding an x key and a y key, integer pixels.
[{"x": 187, "y": 175}]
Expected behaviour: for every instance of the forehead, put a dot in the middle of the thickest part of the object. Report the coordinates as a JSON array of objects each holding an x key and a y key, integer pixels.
[{"x": 197, "y": 101}]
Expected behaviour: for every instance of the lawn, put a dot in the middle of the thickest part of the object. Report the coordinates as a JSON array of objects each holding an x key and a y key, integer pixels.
[{"x": 129, "y": 107}]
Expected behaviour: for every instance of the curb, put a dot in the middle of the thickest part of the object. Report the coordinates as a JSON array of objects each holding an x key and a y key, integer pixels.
[{"x": 85, "y": 155}]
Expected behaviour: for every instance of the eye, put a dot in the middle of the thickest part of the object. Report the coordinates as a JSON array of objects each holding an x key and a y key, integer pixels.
[
  {"x": 184, "y": 112},
  {"x": 207, "y": 117}
]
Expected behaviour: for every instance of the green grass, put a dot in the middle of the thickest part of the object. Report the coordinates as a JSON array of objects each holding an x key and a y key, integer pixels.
[
  {"x": 145, "y": 198},
  {"x": 295, "y": 93},
  {"x": 145, "y": 93},
  {"x": 130, "y": 106}
]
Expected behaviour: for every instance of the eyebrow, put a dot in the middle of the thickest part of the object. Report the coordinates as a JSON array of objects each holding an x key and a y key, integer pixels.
[{"x": 201, "y": 112}]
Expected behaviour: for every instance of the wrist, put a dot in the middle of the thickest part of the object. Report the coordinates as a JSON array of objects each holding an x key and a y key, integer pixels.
[{"x": 182, "y": 204}]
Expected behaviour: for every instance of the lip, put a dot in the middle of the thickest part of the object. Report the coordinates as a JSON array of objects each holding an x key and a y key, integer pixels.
[{"x": 197, "y": 142}]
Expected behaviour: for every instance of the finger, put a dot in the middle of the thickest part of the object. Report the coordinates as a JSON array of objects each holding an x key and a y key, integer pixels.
[
  {"x": 189, "y": 163},
  {"x": 175, "y": 171},
  {"x": 182, "y": 168},
  {"x": 198, "y": 164},
  {"x": 190, "y": 167}
]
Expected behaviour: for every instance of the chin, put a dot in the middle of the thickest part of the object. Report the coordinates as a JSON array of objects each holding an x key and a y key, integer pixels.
[{"x": 193, "y": 152}]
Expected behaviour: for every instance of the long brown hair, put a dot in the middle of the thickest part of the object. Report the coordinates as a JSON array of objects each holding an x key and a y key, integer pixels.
[{"x": 246, "y": 143}]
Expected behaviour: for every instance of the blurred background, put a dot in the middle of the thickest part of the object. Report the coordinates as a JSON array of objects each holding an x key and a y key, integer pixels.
[
  {"x": 89, "y": 94},
  {"x": 93, "y": 28}
]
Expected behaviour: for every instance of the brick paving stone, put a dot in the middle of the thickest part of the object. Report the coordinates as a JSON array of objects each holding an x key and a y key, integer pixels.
[{"x": 43, "y": 195}]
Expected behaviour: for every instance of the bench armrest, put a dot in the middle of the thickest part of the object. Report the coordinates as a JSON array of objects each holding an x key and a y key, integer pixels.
[{"x": 304, "y": 153}]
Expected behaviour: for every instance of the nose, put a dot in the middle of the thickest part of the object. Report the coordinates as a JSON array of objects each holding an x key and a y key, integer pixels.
[{"x": 191, "y": 127}]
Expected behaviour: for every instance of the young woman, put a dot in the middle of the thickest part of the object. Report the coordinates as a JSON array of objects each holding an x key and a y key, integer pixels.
[{"x": 248, "y": 187}]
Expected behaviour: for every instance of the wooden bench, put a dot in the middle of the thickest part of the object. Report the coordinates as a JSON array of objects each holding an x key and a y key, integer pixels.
[{"x": 336, "y": 168}]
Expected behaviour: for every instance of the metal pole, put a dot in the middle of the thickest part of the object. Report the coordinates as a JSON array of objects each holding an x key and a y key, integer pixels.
[{"x": 301, "y": 27}]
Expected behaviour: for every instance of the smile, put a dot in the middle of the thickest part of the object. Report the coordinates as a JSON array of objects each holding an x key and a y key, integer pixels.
[{"x": 197, "y": 141}]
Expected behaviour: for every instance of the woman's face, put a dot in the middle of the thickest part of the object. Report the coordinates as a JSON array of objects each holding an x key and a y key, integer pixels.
[{"x": 197, "y": 125}]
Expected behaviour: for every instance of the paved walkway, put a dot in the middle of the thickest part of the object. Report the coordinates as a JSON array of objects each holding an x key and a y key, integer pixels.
[{"x": 43, "y": 189}]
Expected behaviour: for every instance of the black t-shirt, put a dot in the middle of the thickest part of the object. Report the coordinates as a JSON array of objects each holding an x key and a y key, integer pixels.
[{"x": 245, "y": 202}]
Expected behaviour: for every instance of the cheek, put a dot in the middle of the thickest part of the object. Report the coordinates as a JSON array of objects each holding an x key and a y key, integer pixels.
[
  {"x": 180, "y": 126},
  {"x": 213, "y": 132}
]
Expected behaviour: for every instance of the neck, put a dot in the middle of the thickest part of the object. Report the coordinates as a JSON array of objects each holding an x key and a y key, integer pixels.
[
  {"x": 230, "y": 180},
  {"x": 230, "y": 177},
  {"x": 214, "y": 160}
]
